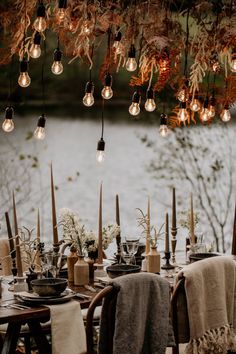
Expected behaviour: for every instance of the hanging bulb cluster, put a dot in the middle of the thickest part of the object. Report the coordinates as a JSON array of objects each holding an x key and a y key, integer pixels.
[
  {"x": 163, "y": 130},
  {"x": 24, "y": 80},
  {"x": 39, "y": 132},
  {"x": 100, "y": 151},
  {"x": 195, "y": 104},
  {"x": 150, "y": 104},
  {"x": 225, "y": 114},
  {"x": 8, "y": 124},
  {"x": 116, "y": 44},
  {"x": 35, "y": 50},
  {"x": 131, "y": 64},
  {"x": 134, "y": 108},
  {"x": 40, "y": 23},
  {"x": 183, "y": 114},
  {"x": 62, "y": 5},
  {"x": 233, "y": 61},
  {"x": 107, "y": 92},
  {"x": 57, "y": 67},
  {"x": 88, "y": 99}
]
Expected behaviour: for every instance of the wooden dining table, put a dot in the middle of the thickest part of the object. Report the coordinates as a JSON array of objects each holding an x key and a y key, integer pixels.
[{"x": 33, "y": 316}]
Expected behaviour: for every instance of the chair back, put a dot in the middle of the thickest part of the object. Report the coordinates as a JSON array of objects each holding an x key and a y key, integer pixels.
[
  {"x": 108, "y": 295},
  {"x": 179, "y": 314}
]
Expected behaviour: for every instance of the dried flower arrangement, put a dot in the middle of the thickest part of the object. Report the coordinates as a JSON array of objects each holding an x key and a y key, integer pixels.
[
  {"x": 198, "y": 34},
  {"x": 84, "y": 241},
  {"x": 155, "y": 234}
]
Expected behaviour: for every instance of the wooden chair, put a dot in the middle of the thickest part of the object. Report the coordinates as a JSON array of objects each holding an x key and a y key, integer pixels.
[{"x": 110, "y": 294}]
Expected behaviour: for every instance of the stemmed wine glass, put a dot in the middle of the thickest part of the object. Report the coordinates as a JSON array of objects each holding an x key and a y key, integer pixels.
[{"x": 129, "y": 248}]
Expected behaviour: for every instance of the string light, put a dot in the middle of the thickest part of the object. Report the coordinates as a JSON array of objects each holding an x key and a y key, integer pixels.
[
  {"x": 57, "y": 67},
  {"x": 183, "y": 93},
  {"x": 204, "y": 115},
  {"x": 62, "y": 5},
  {"x": 100, "y": 156},
  {"x": 88, "y": 99},
  {"x": 24, "y": 80},
  {"x": 8, "y": 124},
  {"x": 134, "y": 108},
  {"x": 39, "y": 132},
  {"x": 195, "y": 104},
  {"x": 107, "y": 92},
  {"x": 183, "y": 114},
  {"x": 225, "y": 114},
  {"x": 131, "y": 64},
  {"x": 150, "y": 104},
  {"x": 35, "y": 50},
  {"x": 164, "y": 130},
  {"x": 212, "y": 110},
  {"x": 40, "y": 23},
  {"x": 116, "y": 44}
]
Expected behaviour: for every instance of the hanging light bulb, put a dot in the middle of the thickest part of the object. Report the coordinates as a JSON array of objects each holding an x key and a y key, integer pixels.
[
  {"x": 24, "y": 80},
  {"x": 233, "y": 61},
  {"x": 116, "y": 44},
  {"x": 205, "y": 114},
  {"x": 35, "y": 50},
  {"x": 225, "y": 114},
  {"x": 39, "y": 132},
  {"x": 86, "y": 28},
  {"x": 195, "y": 104},
  {"x": 107, "y": 92},
  {"x": 134, "y": 108},
  {"x": 88, "y": 99},
  {"x": 131, "y": 64},
  {"x": 183, "y": 114},
  {"x": 212, "y": 110},
  {"x": 183, "y": 93},
  {"x": 164, "y": 130},
  {"x": 150, "y": 104},
  {"x": 40, "y": 23},
  {"x": 62, "y": 4},
  {"x": 8, "y": 124},
  {"x": 101, "y": 150},
  {"x": 57, "y": 67}
]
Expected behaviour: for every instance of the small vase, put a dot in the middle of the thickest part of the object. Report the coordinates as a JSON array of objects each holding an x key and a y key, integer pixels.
[
  {"x": 154, "y": 261},
  {"x": 90, "y": 262},
  {"x": 71, "y": 260},
  {"x": 81, "y": 271}
]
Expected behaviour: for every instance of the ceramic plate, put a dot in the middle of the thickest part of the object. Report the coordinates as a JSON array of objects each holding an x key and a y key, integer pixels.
[{"x": 44, "y": 300}]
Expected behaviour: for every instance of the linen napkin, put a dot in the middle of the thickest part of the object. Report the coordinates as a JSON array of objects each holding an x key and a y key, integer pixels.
[
  {"x": 67, "y": 328},
  {"x": 210, "y": 292}
]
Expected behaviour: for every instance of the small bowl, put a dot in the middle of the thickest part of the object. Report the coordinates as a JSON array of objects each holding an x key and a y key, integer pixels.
[
  {"x": 49, "y": 286},
  {"x": 194, "y": 257},
  {"x": 117, "y": 270}
]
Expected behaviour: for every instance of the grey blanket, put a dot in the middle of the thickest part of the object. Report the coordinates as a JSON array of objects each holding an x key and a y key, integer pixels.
[{"x": 142, "y": 322}]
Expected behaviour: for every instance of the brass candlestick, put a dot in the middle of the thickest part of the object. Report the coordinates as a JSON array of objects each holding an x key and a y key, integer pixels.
[{"x": 173, "y": 244}]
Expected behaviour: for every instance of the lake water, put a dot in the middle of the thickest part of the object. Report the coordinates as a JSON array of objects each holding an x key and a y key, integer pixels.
[{"x": 70, "y": 144}]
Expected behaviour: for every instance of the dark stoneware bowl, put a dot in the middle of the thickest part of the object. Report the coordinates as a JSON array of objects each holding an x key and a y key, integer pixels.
[
  {"x": 49, "y": 286},
  {"x": 117, "y": 270},
  {"x": 199, "y": 256}
]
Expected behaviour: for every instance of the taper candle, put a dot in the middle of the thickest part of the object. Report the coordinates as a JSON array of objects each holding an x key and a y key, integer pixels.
[
  {"x": 100, "y": 251},
  {"x": 173, "y": 210},
  {"x": 192, "y": 219},
  {"x": 18, "y": 252},
  {"x": 148, "y": 228},
  {"x": 37, "y": 258},
  {"x": 167, "y": 246},
  {"x": 10, "y": 237},
  {"x": 54, "y": 215},
  {"x": 117, "y": 210}
]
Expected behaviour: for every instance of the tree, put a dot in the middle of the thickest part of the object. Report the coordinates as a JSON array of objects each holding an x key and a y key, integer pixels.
[{"x": 201, "y": 160}]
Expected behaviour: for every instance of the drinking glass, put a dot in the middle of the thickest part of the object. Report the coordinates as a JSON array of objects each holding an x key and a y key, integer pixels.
[
  {"x": 125, "y": 252},
  {"x": 132, "y": 245}
]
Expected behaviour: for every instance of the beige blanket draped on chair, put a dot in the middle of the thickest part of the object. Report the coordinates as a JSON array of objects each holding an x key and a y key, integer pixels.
[{"x": 210, "y": 291}]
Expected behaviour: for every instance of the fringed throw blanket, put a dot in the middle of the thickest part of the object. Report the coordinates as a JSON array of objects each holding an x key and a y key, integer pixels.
[{"x": 210, "y": 292}]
